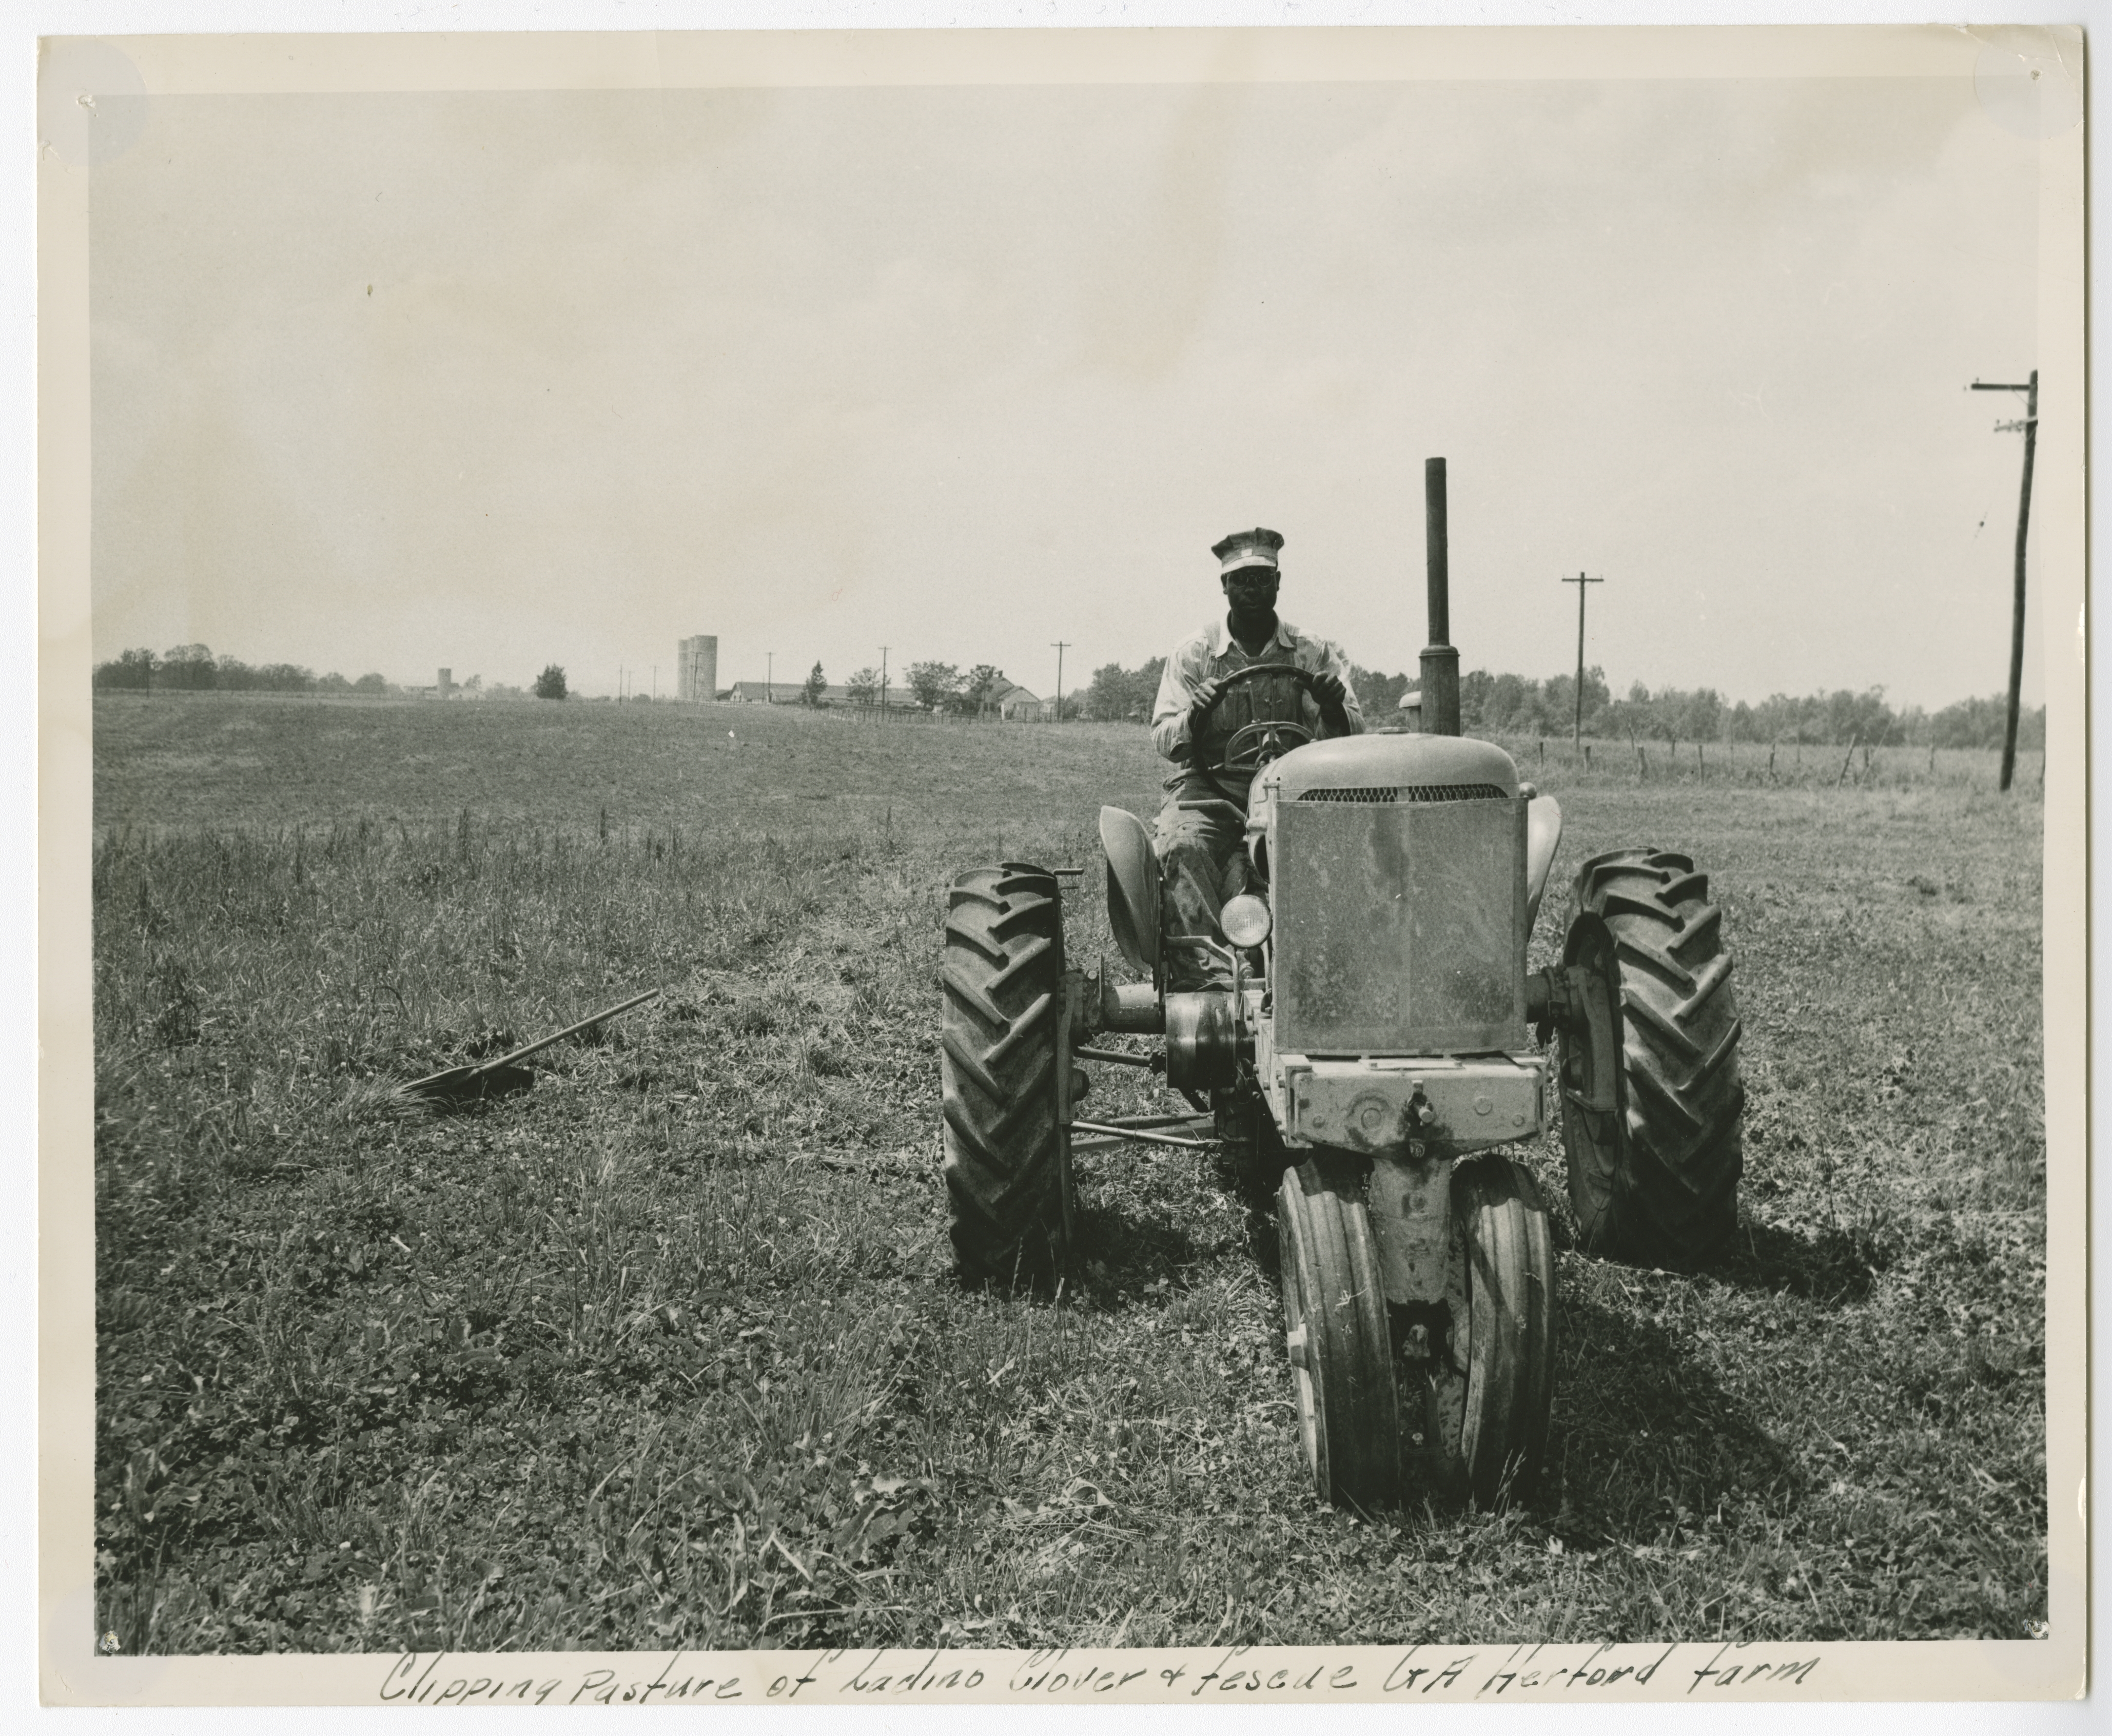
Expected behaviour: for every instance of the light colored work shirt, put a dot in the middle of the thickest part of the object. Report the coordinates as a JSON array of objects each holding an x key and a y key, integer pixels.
[{"x": 1213, "y": 653}]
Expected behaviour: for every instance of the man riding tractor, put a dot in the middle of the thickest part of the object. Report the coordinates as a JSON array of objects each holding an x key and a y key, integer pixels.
[
  {"x": 1243, "y": 689},
  {"x": 1336, "y": 933}
]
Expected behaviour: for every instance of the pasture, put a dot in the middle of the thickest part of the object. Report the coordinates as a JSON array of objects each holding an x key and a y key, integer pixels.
[{"x": 666, "y": 1351}]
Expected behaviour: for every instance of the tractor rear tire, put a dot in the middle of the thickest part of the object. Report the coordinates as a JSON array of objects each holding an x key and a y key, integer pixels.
[
  {"x": 1336, "y": 1331},
  {"x": 1489, "y": 1387},
  {"x": 1006, "y": 1160},
  {"x": 1658, "y": 1182}
]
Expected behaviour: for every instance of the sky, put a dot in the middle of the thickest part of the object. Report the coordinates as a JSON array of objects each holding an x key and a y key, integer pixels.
[{"x": 488, "y": 381}]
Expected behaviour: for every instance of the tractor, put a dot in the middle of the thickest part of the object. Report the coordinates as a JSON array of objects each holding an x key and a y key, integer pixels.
[{"x": 1381, "y": 1044}]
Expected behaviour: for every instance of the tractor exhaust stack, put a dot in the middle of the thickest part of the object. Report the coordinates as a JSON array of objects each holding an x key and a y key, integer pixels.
[{"x": 1441, "y": 662}]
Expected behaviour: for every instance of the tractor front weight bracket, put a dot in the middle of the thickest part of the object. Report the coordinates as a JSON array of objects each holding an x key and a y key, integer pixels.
[{"x": 1409, "y": 1199}]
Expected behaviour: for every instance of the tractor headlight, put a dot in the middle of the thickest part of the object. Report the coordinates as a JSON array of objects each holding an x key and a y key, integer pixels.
[{"x": 1245, "y": 920}]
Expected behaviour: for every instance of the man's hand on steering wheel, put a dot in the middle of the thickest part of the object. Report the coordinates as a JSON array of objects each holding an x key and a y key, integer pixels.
[
  {"x": 1333, "y": 699},
  {"x": 1205, "y": 701},
  {"x": 1252, "y": 745},
  {"x": 1327, "y": 691}
]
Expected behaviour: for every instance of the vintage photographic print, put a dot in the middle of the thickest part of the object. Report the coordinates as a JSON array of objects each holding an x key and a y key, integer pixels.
[{"x": 927, "y": 866}]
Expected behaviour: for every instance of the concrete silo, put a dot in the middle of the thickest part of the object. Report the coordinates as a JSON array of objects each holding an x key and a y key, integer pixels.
[{"x": 696, "y": 667}]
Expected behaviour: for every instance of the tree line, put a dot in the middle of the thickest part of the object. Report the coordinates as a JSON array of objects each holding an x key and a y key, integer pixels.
[
  {"x": 1490, "y": 704},
  {"x": 193, "y": 668},
  {"x": 1493, "y": 704},
  {"x": 1509, "y": 704},
  {"x": 939, "y": 687}
]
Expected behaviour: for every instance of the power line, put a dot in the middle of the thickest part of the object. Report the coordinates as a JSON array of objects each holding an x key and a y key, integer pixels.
[
  {"x": 2030, "y": 426},
  {"x": 1580, "y": 581}
]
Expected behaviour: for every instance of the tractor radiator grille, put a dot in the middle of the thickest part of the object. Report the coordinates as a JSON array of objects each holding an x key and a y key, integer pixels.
[
  {"x": 1400, "y": 927},
  {"x": 1409, "y": 793}
]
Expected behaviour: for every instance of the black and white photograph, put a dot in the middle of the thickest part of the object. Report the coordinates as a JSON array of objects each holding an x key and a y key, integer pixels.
[{"x": 1090, "y": 864}]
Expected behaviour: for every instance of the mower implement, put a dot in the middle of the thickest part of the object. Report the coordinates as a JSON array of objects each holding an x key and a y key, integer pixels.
[{"x": 465, "y": 1084}]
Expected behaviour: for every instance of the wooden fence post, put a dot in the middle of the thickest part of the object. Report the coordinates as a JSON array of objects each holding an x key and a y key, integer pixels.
[{"x": 1854, "y": 737}]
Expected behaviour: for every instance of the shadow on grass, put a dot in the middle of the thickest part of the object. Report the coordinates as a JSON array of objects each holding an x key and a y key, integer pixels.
[
  {"x": 1118, "y": 1253},
  {"x": 1131, "y": 1249},
  {"x": 1644, "y": 1440},
  {"x": 474, "y": 1095},
  {"x": 1831, "y": 1265}
]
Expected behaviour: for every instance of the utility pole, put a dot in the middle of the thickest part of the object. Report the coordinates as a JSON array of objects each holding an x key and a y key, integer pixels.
[
  {"x": 883, "y": 681},
  {"x": 656, "y": 684},
  {"x": 770, "y": 677},
  {"x": 1059, "y": 643},
  {"x": 2030, "y": 425},
  {"x": 1577, "y": 739}
]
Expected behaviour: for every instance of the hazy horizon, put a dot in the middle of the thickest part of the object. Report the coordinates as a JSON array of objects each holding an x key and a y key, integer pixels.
[
  {"x": 639, "y": 681},
  {"x": 491, "y": 380}
]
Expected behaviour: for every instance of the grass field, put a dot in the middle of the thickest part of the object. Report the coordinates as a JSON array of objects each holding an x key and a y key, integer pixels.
[{"x": 666, "y": 1351}]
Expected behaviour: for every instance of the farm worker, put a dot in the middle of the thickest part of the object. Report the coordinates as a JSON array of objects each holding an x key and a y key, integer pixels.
[{"x": 1199, "y": 833}]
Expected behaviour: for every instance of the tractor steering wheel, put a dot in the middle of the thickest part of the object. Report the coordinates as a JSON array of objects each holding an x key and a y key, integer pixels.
[{"x": 1252, "y": 745}]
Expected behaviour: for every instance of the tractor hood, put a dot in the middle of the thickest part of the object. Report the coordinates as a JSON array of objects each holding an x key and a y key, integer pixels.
[
  {"x": 1405, "y": 875},
  {"x": 1381, "y": 768}
]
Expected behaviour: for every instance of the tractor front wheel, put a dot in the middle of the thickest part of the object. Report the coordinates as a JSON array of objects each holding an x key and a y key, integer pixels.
[
  {"x": 1653, "y": 1175},
  {"x": 1488, "y": 1386},
  {"x": 1007, "y": 1160},
  {"x": 1336, "y": 1331}
]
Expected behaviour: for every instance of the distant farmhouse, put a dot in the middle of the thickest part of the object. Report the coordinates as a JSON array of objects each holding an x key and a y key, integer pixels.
[
  {"x": 794, "y": 693},
  {"x": 1015, "y": 704},
  {"x": 1011, "y": 702},
  {"x": 448, "y": 688}
]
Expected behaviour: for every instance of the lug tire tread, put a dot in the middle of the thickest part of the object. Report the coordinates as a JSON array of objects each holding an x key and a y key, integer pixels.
[
  {"x": 1003, "y": 1161},
  {"x": 1672, "y": 1199}
]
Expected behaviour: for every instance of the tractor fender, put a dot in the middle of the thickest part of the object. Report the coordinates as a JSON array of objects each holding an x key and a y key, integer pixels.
[
  {"x": 1132, "y": 886},
  {"x": 1543, "y": 837}
]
